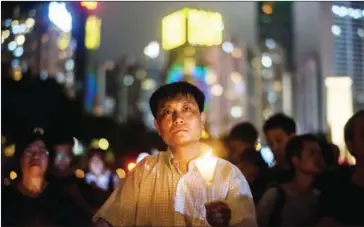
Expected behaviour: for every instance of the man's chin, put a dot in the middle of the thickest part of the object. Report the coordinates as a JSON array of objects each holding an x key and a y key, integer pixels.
[
  {"x": 35, "y": 170},
  {"x": 180, "y": 142}
]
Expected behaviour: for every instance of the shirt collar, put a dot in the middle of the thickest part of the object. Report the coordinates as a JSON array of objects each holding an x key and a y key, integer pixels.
[{"x": 171, "y": 161}]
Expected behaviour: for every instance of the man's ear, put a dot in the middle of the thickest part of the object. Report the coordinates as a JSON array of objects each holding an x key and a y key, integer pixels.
[
  {"x": 203, "y": 118},
  {"x": 157, "y": 126},
  {"x": 292, "y": 135}
]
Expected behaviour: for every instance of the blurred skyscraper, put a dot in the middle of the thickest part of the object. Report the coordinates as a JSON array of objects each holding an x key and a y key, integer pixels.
[{"x": 348, "y": 46}]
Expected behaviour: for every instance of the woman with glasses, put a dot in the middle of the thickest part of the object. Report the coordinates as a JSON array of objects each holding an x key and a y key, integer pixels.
[{"x": 31, "y": 201}]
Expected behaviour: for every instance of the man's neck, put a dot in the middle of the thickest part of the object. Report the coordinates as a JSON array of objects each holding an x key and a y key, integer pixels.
[
  {"x": 186, "y": 153},
  {"x": 33, "y": 185},
  {"x": 303, "y": 182},
  {"x": 358, "y": 176}
]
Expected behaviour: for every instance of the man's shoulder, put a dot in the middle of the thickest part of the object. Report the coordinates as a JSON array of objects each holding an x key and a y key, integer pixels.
[{"x": 149, "y": 162}]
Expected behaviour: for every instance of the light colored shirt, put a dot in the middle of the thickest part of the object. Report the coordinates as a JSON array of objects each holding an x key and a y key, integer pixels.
[
  {"x": 298, "y": 209},
  {"x": 102, "y": 181},
  {"x": 156, "y": 193}
]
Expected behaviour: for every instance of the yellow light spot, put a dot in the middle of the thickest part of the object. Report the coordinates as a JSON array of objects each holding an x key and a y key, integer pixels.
[
  {"x": 90, "y": 5},
  {"x": 17, "y": 75},
  {"x": 80, "y": 173},
  {"x": 174, "y": 30},
  {"x": 121, "y": 173},
  {"x": 267, "y": 9},
  {"x": 30, "y": 22},
  {"x": 103, "y": 144},
  {"x": 64, "y": 41},
  {"x": 92, "y": 33},
  {"x": 131, "y": 166},
  {"x": 9, "y": 151},
  {"x": 235, "y": 77},
  {"x": 13, "y": 175},
  {"x": 258, "y": 146}
]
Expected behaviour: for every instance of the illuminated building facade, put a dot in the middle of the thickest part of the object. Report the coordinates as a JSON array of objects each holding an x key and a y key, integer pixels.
[
  {"x": 19, "y": 39},
  {"x": 338, "y": 42},
  {"x": 193, "y": 39},
  {"x": 270, "y": 82},
  {"x": 348, "y": 46},
  {"x": 43, "y": 46},
  {"x": 308, "y": 105},
  {"x": 275, "y": 21},
  {"x": 275, "y": 61}
]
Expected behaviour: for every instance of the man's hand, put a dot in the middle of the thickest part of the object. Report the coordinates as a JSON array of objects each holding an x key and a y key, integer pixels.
[{"x": 218, "y": 214}]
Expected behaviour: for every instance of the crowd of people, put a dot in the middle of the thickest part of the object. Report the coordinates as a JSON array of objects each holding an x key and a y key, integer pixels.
[{"x": 305, "y": 187}]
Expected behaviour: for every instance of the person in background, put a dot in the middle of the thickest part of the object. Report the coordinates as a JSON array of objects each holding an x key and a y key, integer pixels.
[
  {"x": 295, "y": 203},
  {"x": 62, "y": 175},
  {"x": 278, "y": 130},
  {"x": 98, "y": 174},
  {"x": 344, "y": 204},
  {"x": 242, "y": 142},
  {"x": 242, "y": 136},
  {"x": 31, "y": 201},
  {"x": 169, "y": 189}
]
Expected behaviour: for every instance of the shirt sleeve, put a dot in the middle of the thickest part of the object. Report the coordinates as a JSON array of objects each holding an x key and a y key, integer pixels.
[
  {"x": 240, "y": 201},
  {"x": 120, "y": 208},
  {"x": 265, "y": 206}
]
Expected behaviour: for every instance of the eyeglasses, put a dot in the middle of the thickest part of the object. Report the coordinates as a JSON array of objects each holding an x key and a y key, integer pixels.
[{"x": 40, "y": 152}]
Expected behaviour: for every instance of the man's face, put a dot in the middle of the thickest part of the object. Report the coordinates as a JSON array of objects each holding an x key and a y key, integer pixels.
[
  {"x": 311, "y": 160},
  {"x": 237, "y": 147},
  {"x": 277, "y": 140},
  {"x": 357, "y": 143},
  {"x": 179, "y": 121},
  {"x": 34, "y": 161},
  {"x": 63, "y": 157}
]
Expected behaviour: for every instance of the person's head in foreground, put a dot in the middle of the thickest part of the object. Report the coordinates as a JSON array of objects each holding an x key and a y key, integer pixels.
[
  {"x": 178, "y": 112},
  {"x": 354, "y": 135},
  {"x": 278, "y": 129},
  {"x": 242, "y": 137},
  {"x": 304, "y": 156},
  {"x": 179, "y": 119},
  {"x": 32, "y": 157}
]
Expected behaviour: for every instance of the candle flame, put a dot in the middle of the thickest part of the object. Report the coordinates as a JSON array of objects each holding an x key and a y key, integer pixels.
[{"x": 206, "y": 165}]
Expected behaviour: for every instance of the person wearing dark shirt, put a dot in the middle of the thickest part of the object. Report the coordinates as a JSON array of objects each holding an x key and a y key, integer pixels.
[
  {"x": 31, "y": 201},
  {"x": 278, "y": 130},
  {"x": 241, "y": 142},
  {"x": 62, "y": 175},
  {"x": 344, "y": 204}
]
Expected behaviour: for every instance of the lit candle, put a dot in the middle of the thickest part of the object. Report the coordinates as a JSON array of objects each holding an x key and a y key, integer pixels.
[{"x": 206, "y": 166}]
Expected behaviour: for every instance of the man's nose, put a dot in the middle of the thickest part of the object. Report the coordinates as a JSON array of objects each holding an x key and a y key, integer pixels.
[{"x": 178, "y": 119}]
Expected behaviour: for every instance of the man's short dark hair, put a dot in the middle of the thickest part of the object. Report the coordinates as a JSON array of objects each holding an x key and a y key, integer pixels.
[
  {"x": 172, "y": 90},
  {"x": 280, "y": 121},
  {"x": 244, "y": 131},
  {"x": 349, "y": 126},
  {"x": 295, "y": 145}
]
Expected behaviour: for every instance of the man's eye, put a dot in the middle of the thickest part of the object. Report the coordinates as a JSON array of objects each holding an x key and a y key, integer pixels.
[
  {"x": 186, "y": 108},
  {"x": 166, "y": 112}
]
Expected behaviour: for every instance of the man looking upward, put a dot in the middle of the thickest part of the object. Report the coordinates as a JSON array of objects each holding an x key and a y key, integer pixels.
[{"x": 168, "y": 189}]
